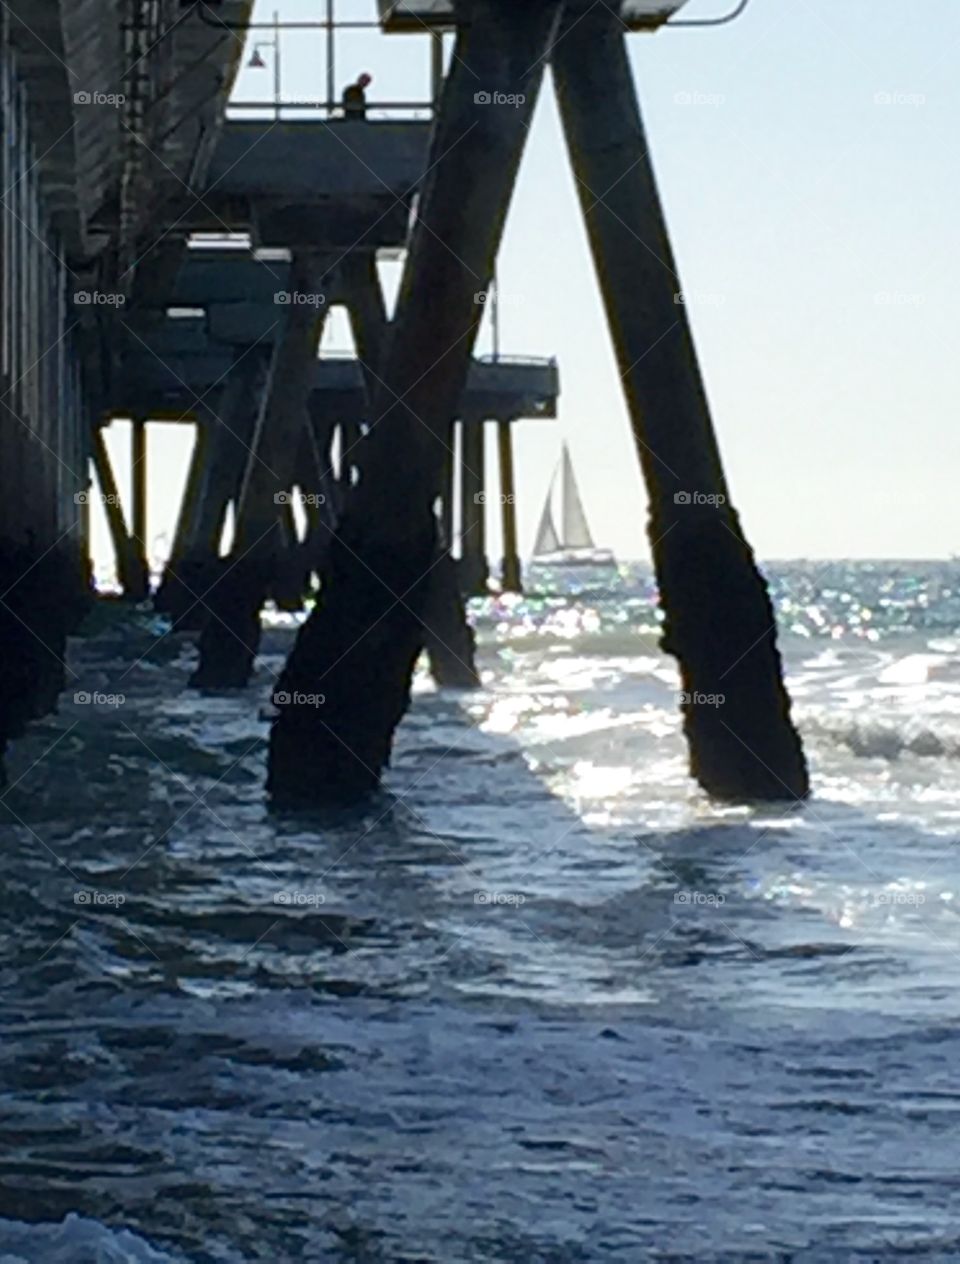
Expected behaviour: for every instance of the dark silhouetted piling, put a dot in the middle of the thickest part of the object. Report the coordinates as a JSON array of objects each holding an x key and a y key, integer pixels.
[
  {"x": 124, "y": 553},
  {"x": 474, "y": 569},
  {"x": 225, "y": 432},
  {"x": 264, "y": 550},
  {"x": 719, "y": 620},
  {"x": 138, "y": 516},
  {"x": 511, "y": 577},
  {"x": 359, "y": 647}
]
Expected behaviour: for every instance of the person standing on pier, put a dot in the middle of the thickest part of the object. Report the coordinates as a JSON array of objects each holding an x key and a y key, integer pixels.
[{"x": 355, "y": 98}]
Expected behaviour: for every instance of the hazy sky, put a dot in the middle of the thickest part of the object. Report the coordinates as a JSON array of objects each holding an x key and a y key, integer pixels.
[{"x": 812, "y": 198}]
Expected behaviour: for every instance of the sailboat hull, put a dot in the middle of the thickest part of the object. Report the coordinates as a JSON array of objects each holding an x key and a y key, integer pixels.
[
  {"x": 575, "y": 558},
  {"x": 572, "y": 549}
]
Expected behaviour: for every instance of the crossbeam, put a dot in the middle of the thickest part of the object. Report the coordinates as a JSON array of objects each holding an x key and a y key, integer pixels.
[{"x": 411, "y": 16}]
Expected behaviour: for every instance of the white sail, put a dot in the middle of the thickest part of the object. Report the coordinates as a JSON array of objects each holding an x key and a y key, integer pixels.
[
  {"x": 575, "y": 532},
  {"x": 547, "y": 539},
  {"x": 573, "y": 546}
]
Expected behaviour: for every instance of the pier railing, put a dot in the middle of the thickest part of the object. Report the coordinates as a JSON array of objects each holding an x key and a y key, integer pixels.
[{"x": 293, "y": 110}]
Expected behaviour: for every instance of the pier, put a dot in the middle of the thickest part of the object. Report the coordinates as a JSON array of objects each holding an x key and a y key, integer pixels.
[{"x": 168, "y": 257}]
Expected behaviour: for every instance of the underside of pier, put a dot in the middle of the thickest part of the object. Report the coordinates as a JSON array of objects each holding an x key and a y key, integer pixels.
[{"x": 166, "y": 258}]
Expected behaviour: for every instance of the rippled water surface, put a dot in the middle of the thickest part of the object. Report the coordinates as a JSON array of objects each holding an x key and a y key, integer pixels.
[{"x": 542, "y": 1002}]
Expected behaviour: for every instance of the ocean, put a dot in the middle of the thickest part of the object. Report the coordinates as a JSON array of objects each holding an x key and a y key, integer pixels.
[{"x": 539, "y": 1003}]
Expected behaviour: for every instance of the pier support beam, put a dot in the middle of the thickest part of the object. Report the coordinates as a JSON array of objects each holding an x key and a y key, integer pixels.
[
  {"x": 719, "y": 623},
  {"x": 359, "y": 648},
  {"x": 128, "y": 575},
  {"x": 448, "y": 489},
  {"x": 42, "y": 590},
  {"x": 193, "y": 488},
  {"x": 367, "y": 309},
  {"x": 474, "y": 570},
  {"x": 224, "y": 434},
  {"x": 448, "y": 638},
  {"x": 263, "y": 549},
  {"x": 511, "y": 577},
  {"x": 138, "y": 519}
]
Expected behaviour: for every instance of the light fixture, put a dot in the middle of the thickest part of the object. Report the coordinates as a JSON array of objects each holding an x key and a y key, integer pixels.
[{"x": 256, "y": 61}]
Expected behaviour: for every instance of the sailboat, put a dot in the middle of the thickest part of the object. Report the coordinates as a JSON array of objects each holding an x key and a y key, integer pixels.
[{"x": 573, "y": 546}]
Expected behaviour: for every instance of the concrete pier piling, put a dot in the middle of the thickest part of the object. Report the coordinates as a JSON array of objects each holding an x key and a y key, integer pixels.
[
  {"x": 224, "y": 434},
  {"x": 511, "y": 575},
  {"x": 192, "y": 499},
  {"x": 720, "y": 624},
  {"x": 77, "y": 197},
  {"x": 124, "y": 551},
  {"x": 127, "y": 297},
  {"x": 358, "y": 649},
  {"x": 448, "y": 638},
  {"x": 138, "y": 518},
  {"x": 474, "y": 570},
  {"x": 264, "y": 549}
]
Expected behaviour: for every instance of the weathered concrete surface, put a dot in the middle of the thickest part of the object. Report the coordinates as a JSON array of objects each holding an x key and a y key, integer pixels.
[
  {"x": 264, "y": 551},
  {"x": 224, "y": 438},
  {"x": 511, "y": 576},
  {"x": 368, "y": 653},
  {"x": 362, "y": 642},
  {"x": 44, "y": 595},
  {"x": 719, "y": 621},
  {"x": 448, "y": 637}
]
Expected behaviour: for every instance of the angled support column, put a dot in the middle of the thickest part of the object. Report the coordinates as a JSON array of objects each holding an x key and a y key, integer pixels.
[
  {"x": 474, "y": 570},
  {"x": 263, "y": 553},
  {"x": 448, "y": 638},
  {"x": 190, "y": 504},
  {"x": 237, "y": 417},
  {"x": 271, "y": 468},
  {"x": 511, "y": 577},
  {"x": 138, "y": 533},
  {"x": 367, "y": 309},
  {"x": 194, "y": 486},
  {"x": 719, "y": 620},
  {"x": 322, "y": 430},
  {"x": 123, "y": 550},
  {"x": 310, "y": 478},
  {"x": 316, "y": 481},
  {"x": 448, "y": 489},
  {"x": 360, "y": 646},
  {"x": 225, "y": 431}
]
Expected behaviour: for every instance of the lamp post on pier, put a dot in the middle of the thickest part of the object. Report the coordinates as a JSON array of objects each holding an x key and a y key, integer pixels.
[{"x": 256, "y": 61}]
